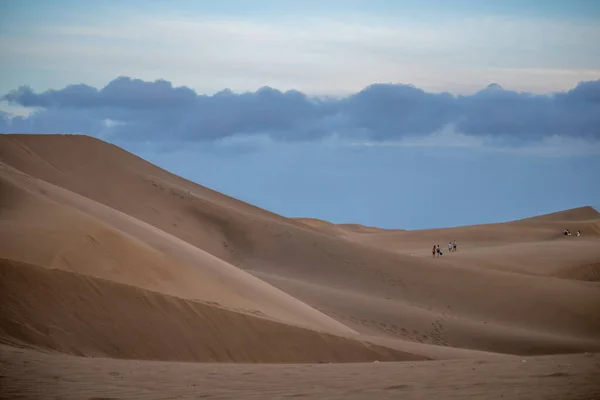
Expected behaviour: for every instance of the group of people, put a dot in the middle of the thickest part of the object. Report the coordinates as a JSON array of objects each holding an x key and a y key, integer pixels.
[
  {"x": 567, "y": 232},
  {"x": 438, "y": 252}
]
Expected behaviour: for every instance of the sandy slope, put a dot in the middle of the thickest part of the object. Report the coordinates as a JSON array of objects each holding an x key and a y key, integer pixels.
[
  {"x": 80, "y": 235},
  {"x": 137, "y": 245},
  {"x": 78, "y": 314},
  {"x": 342, "y": 230},
  {"x": 482, "y": 236}
]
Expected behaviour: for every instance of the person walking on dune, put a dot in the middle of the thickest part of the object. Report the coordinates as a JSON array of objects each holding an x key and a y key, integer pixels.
[
  {"x": 433, "y": 252},
  {"x": 449, "y": 247},
  {"x": 454, "y": 246}
]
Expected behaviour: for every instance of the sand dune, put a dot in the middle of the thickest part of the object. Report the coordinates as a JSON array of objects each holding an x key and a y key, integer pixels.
[
  {"x": 78, "y": 314},
  {"x": 566, "y": 216},
  {"x": 337, "y": 229},
  {"x": 86, "y": 237},
  {"x": 120, "y": 246},
  {"x": 478, "y": 236}
]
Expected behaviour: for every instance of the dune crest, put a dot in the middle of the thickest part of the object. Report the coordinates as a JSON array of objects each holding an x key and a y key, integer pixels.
[
  {"x": 89, "y": 238},
  {"x": 127, "y": 322}
]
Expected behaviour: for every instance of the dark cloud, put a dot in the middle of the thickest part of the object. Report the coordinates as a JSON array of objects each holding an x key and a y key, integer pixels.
[
  {"x": 134, "y": 109},
  {"x": 123, "y": 92},
  {"x": 396, "y": 110}
]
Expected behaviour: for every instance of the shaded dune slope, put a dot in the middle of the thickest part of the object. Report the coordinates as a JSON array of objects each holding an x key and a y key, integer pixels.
[
  {"x": 381, "y": 284},
  {"x": 80, "y": 235},
  {"x": 78, "y": 314}
]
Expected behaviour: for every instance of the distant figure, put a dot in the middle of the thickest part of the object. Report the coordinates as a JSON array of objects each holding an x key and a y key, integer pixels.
[
  {"x": 439, "y": 251},
  {"x": 578, "y": 233},
  {"x": 449, "y": 247},
  {"x": 454, "y": 245},
  {"x": 433, "y": 252}
]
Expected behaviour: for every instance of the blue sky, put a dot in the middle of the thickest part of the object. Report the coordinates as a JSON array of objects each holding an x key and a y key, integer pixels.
[
  {"x": 376, "y": 112},
  {"x": 332, "y": 47}
]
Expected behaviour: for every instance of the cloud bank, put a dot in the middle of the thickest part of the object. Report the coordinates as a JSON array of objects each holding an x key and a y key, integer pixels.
[{"x": 132, "y": 109}]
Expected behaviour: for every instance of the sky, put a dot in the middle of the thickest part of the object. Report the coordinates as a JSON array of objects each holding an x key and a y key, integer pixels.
[{"x": 398, "y": 114}]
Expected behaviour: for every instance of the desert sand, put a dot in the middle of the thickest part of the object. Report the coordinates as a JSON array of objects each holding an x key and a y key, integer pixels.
[{"x": 122, "y": 280}]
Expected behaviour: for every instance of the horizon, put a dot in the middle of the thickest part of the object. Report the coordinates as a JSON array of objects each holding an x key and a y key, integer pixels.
[{"x": 406, "y": 114}]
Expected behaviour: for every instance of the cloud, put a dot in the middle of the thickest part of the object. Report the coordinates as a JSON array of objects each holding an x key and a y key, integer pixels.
[
  {"x": 132, "y": 109},
  {"x": 122, "y": 92}
]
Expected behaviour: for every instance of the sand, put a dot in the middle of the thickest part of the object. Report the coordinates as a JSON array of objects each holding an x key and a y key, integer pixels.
[
  {"x": 48, "y": 376},
  {"x": 105, "y": 255}
]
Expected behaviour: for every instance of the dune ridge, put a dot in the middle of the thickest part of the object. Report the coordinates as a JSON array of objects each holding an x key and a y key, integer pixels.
[
  {"x": 90, "y": 238},
  {"x": 164, "y": 328},
  {"x": 338, "y": 229}
]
